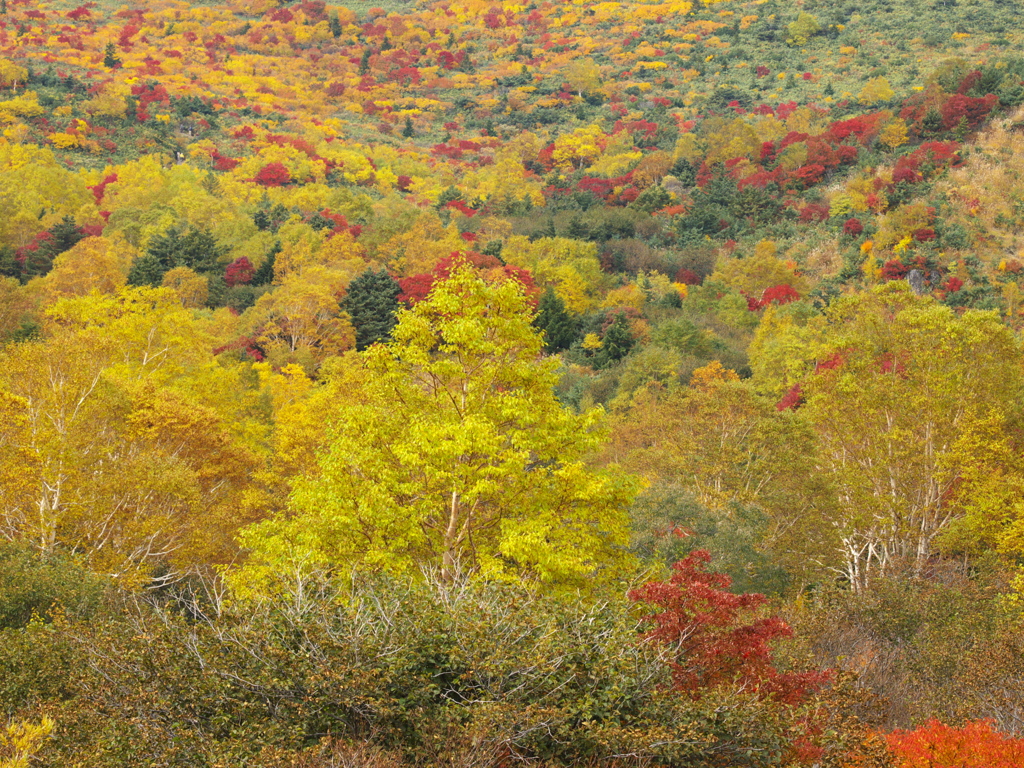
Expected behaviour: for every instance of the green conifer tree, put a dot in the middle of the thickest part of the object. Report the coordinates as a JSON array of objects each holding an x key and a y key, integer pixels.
[
  {"x": 265, "y": 274},
  {"x": 616, "y": 344},
  {"x": 559, "y": 327},
  {"x": 372, "y": 304},
  {"x": 110, "y": 57}
]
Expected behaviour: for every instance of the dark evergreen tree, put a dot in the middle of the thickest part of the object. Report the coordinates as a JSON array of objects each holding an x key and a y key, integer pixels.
[
  {"x": 196, "y": 249},
  {"x": 62, "y": 237},
  {"x": 110, "y": 58},
  {"x": 408, "y": 131},
  {"x": 265, "y": 274},
  {"x": 559, "y": 327},
  {"x": 147, "y": 269},
  {"x": 9, "y": 265},
  {"x": 335, "y": 24},
  {"x": 616, "y": 344},
  {"x": 372, "y": 302},
  {"x": 261, "y": 220},
  {"x": 364, "y": 62},
  {"x": 216, "y": 291}
]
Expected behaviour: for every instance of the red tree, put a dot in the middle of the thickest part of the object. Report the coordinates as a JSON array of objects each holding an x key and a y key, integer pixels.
[
  {"x": 714, "y": 638},
  {"x": 273, "y": 175},
  {"x": 239, "y": 272}
]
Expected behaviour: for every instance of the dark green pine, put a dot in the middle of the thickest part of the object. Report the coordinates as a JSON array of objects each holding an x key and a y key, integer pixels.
[
  {"x": 372, "y": 303},
  {"x": 559, "y": 327}
]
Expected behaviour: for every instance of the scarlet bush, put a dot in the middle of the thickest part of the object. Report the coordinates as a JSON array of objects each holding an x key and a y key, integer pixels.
[
  {"x": 975, "y": 745},
  {"x": 273, "y": 175},
  {"x": 853, "y": 227},
  {"x": 711, "y": 638}
]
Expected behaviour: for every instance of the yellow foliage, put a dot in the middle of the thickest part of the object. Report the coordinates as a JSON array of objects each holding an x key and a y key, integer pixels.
[
  {"x": 419, "y": 248},
  {"x": 579, "y": 148},
  {"x": 571, "y": 267},
  {"x": 875, "y": 90},
  {"x": 192, "y": 288},
  {"x": 626, "y": 296},
  {"x": 19, "y": 741},
  {"x": 109, "y": 102},
  {"x": 760, "y": 271},
  {"x": 93, "y": 264},
  {"x": 21, "y": 106},
  {"x": 618, "y": 158},
  {"x": 894, "y": 134},
  {"x": 11, "y": 74},
  {"x": 711, "y": 375}
]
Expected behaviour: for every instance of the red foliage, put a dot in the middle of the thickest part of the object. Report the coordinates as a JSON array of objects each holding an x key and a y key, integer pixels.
[
  {"x": 244, "y": 345},
  {"x": 405, "y": 75},
  {"x": 273, "y": 175},
  {"x": 239, "y": 272},
  {"x": 906, "y": 170},
  {"x": 222, "y": 163},
  {"x": 853, "y": 227},
  {"x": 793, "y": 137},
  {"x": 924, "y": 234},
  {"x": 975, "y": 745},
  {"x": 81, "y": 12},
  {"x": 461, "y": 207},
  {"x": 779, "y": 294},
  {"x": 415, "y": 288},
  {"x": 810, "y": 174},
  {"x": 100, "y": 189},
  {"x": 687, "y": 277},
  {"x": 282, "y": 15},
  {"x": 713, "y": 637},
  {"x": 793, "y": 399},
  {"x": 814, "y": 212},
  {"x": 970, "y": 80},
  {"x": 959, "y": 107},
  {"x": 862, "y": 127},
  {"x": 890, "y": 363},
  {"x": 831, "y": 363},
  {"x": 953, "y": 284},
  {"x": 894, "y": 269}
]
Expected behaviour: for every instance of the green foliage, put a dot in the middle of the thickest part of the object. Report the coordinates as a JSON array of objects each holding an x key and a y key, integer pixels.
[
  {"x": 427, "y": 672},
  {"x": 668, "y": 524},
  {"x": 615, "y": 344},
  {"x": 33, "y": 589},
  {"x": 372, "y": 305},
  {"x": 554, "y": 321},
  {"x": 110, "y": 58}
]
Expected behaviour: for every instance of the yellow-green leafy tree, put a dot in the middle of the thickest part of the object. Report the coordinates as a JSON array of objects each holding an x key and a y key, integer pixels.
[
  {"x": 450, "y": 451},
  {"x": 902, "y": 389}
]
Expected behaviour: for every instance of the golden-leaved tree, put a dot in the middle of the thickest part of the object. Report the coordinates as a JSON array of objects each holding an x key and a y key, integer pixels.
[
  {"x": 116, "y": 439},
  {"x": 908, "y": 401},
  {"x": 447, "y": 448}
]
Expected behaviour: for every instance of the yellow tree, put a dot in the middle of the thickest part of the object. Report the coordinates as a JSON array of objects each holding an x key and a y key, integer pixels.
[
  {"x": 902, "y": 384},
  {"x": 93, "y": 264},
  {"x": 301, "y": 321},
  {"x": 450, "y": 450}
]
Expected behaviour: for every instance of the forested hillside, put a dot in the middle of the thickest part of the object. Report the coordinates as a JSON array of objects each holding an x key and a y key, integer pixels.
[{"x": 465, "y": 383}]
